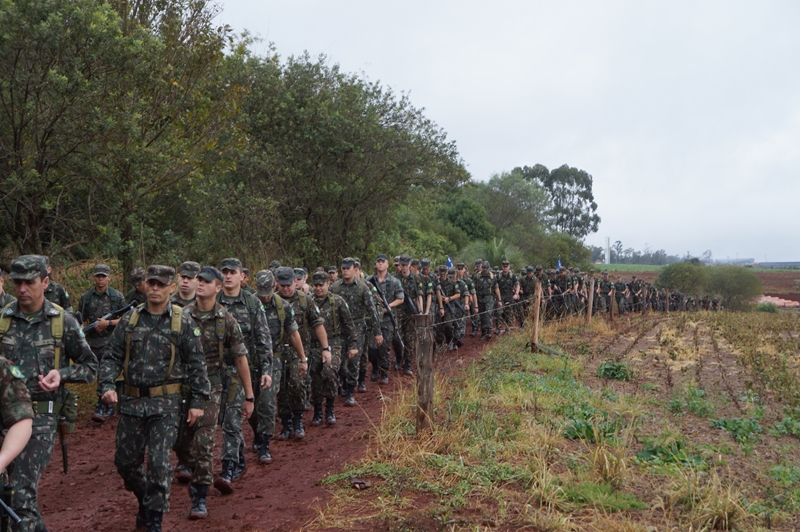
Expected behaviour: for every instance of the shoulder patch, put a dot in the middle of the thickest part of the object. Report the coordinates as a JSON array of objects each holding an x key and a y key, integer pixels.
[
  {"x": 81, "y": 333},
  {"x": 9, "y": 312},
  {"x": 16, "y": 372},
  {"x": 197, "y": 331}
]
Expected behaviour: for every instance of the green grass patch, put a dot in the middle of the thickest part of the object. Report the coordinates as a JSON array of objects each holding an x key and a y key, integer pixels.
[
  {"x": 618, "y": 371},
  {"x": 603, "y": 497},
  {"x": 767, "y": 307},
  {"x": 694, "y": 400}
]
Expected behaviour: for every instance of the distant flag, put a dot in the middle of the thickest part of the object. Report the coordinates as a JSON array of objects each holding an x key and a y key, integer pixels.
[
  {"x": 559, "y": 263},
  {"x": 449, "y": 261}
]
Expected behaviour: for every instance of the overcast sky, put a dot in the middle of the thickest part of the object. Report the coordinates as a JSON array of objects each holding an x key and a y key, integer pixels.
[{"x": 687, "y": 114}]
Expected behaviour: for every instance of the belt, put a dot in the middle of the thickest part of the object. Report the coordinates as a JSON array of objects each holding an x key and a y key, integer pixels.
[
  {"x": 46, "y": 407},
  {"x": 151, "y": 391}
]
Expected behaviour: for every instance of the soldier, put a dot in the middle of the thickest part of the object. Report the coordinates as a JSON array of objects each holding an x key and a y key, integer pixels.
[
  {"x": 333, "y": 274},
  {"x": 425, "y": 287},
  {"x": 300, "y": 278},
  {"x": 246, "y": 281},
  {"x": 5, "y": 298},
  {"x": 16, "y": 413},
  {"x": 342, "y": 336},
  {"x": 621, "y": 295},
  {"x": 365, "y": 318},
  {"x": 635, "y": 288},
  {"x": 475, "y": 320},
  {"x": 225, "y": 354},
  {"x": 137, "y": 293},
  {"x": 249, "y": 313},
  {"x": 404, "y": 313},
  {"x": 93, "y": 305},
  {"x": 55, "y": 293},
  {"x": 527, "y": 286},
  {"x": 488, "y": 292},
  {"x": 187, "y": 284},
  {"x": 604, "y": 288},
  {"x": 449, "y": 293},
  {"x": 154, "y": 372},
  {"x": 508, "y": 284},
  {"x": 369, "y": 329},
  {"x": 284, "y": 332},
  {"x": 469, "y": 302},
  {"x": 40, "y": 340},
  {"x": 392, "y": 290},
  {"x": 293, "y": 392}
]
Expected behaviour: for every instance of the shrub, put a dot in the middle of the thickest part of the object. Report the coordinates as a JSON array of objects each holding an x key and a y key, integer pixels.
[{"x": 767, "y": 307}]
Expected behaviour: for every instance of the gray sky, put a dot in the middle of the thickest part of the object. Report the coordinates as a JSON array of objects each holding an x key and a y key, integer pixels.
[{"x": 687, "y": 114}]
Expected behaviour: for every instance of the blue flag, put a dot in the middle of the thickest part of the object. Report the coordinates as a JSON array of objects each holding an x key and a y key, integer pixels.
[
  {"x": 449, "y": 261},
  {"x": 559, "y": 263}
]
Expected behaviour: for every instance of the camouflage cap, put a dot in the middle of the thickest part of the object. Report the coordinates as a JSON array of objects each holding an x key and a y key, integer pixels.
[
  {"x": 348, "y": 262},
  {"x": 189, "y": 269},
  {"x": 604, "y": 273},
  {"x": 265, "y": 283},
  {"x": 461, "y": 265},
  {"x": 299, "y": 273},
  {"x": 246, "y": 271},
  {"x": 231, "y": 264},
  {"x": 397, "y": 259},
  {"x": 441, "y": 269},
  {"x": 425, "y": 263},
  {"x": 209, "y": 273},
  {"x": 274, "y": 264},
  {"x": 415, "y": 262},
  {"x": 405, "y": 259},
  {"x": 285, "y": 276},
  {"x": 505, "y": 263},
  {"x": 357, "y": 263},
  {"x": 319, "y": 278},
  {"x": 381, "y": 256},
  {"x": 591, "y": 270},
  {"x": 100, "y": 269},
  {"x": 485, "y": 265},
  {"x": 162, "y": 274},
  {"x": 137, "y": 276},
  {"x": 27, "y": 267},
  {"x": 451, "y": 271},
  {"x": 538, "y": 268},
  {"x": 478, "y": 261},
  {"x": 529, "y": 269},
  {"x": 331, "y": 269}
]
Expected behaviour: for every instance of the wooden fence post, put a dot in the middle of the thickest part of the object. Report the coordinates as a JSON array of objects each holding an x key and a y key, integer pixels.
[
  {"x": 591, "y": 302},
  {"x": 424, "y": 347},
  {"x": 537, "y": 304}
]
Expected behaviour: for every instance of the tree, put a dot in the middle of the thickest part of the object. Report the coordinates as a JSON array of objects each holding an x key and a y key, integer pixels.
[
  {"x": 495, "y": 251},
  {"x": 687, "y": 277},
  {"x": 736, "y": 286},
  {"x": 573, "y": 209},
  {"x": 510, "y": 199},
  {"x": 468, "y": 215}
]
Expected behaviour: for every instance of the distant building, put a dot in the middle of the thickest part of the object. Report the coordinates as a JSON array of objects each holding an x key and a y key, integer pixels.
[{"x": 779, "y": 265}]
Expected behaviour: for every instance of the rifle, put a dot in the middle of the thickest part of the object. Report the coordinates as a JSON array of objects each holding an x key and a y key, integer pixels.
[
  {"x": 460, "y": 307},
  {"x": 5, "y": 509},
  {"x": 110, "y": 315},
  {"x": 410, "y": 303},
  {"x": 449, "y": 306},
  {"x": 223, "y": 402},
  {"x": 374, "y": 281}
]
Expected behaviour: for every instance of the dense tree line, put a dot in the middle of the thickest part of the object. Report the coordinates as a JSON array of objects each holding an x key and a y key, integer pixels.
[{"x": 143, "y": 131}]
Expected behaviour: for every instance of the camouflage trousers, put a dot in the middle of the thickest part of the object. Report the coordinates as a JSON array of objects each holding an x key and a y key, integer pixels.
[
  {"x": 25, "y": 472},
  {"x": 263, "y": 418},
  {"x": 485, "y": 307},
  {"x": 379, "y": 356},
  {"x": 292, "y": 388},
  {"x": 154, "y": 435},
  {"x": 324, "y": 377},
  {"x": 351, "y": 367},
  {"x": 232, "y": 438},
  {"x": 195, "y": 445},
  {"x": 406, "y": 324}
]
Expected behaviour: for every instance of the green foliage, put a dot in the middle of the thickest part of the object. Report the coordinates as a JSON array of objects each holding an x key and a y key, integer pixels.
[
  {"x": 672, "y": 451},
  {"x": 695, "y": 400},
  {"x": 736, "y": 286},
  {"x": 585, "y": 422},
  {"x": 495, "y": 251},
  {"x": 787, "y": 476},
  {"x": 743, "y": 430},
  {"x": 618, "y": 371},
  {"x": 789, "y": 425},
  {"x": 772, "y": 308},
  {"x": 687, "y": 277},
  {"x": 603, "y": 497},
  {"x": 469, "y": 216}
]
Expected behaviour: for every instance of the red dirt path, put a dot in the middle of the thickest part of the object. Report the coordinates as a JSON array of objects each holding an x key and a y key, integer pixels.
[{"x": 280, "y": 496}]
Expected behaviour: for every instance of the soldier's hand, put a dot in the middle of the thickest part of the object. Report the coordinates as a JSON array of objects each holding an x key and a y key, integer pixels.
[
  {"x": 102, "y": 325},
  {"x": 195, "y": 414},
  {"x": 110, "y": 397},
  {"x": 379, "y": 340},
  {"x": 515, "y": 297},
  {"x": 247, "y": 410},
  {"x": 352, "y": 353},
  {"x": 266, "y": 381},
  {"x": 303, "y": 368},
  {"x": 326, "y": 358},
  {"x": 51, "y": 381}
]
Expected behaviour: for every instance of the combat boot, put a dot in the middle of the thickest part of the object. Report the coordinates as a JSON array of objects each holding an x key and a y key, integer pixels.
[
  {"x": 286, "y": 431},
  {"x": 407, "y": 367},
  {"x": 330, "y": 417},
  {"x": 257, "y": 441},
  {"x": 240, "y": 468},
  {"x": 384, "y": 377},
  {"x": 374, "y": 376},
  {"x": 362, "y": 387},
  {"x": 183, "y": 474},
  {"x": 297, "y": 422},
  {"x": 263, "y": 451},
  {"x": 154, "y": 525},
  {"x": 317, "y": 419},
  {"x": 142, "y": 518},
  {"x": 348, "y": 400},
  {"x": 198, "y": 492},
  {"x": 223, "y": 481}
]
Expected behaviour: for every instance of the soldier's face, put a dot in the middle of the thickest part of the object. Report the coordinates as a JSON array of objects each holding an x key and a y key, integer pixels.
[
  {"x": 231, "y": 278},
  {"x": 287, "y": 290},
  {"x": 348, "y": 274},
  {"x": 188, "y": 285},
  {"x": 321, "y": 290},
  {"x": 100, "y": 281},
  {"x": 158, "y": 292},
  {"x": 506, "y": 268},
  {"x": 206, "y": 289},
  {"x": 333, "y": 276},
  {"x": 381, "y": 266},
  {"x": 30, "y": 293},
  {"x": 405, "y": 268}
]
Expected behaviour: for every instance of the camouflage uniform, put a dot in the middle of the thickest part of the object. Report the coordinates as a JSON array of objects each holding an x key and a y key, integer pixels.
[
  {"x": 279, "y": 331},
  {"x": 527, "y": 285},
  {"x": 15, "y": 401},
  {"x": 195, "y": 445},
  {"x": 150, "y": 409},
  {"x": 469, "y": 286},
  {"x": 379, "y": 356},
  {"x": 507, "y": 283},
  {"x": 604, "y": 286},
  {"x": 29, "y": 345},
  {"x": 93, "y": 306},
  {"x": 6, "y": 299},
  {"x": 449, "y": 288},
  {"x": 176, "y": 299},
  {"x": 485, "y": 285},
  {"x": 619, "y": 294},
  {"x": 135, "y": 295},
  {"x": 342, "y": 336},
  {"x": 55, "y": 293},
  {"x": 405, "y": 321},
  {"x": 360, "y": 301}
]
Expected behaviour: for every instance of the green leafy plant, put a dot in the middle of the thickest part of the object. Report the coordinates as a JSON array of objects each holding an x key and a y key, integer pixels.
[
  {"x": 668, "y": 452},
  {"x": 743, "y": 430},
  {"x": 617, "y": 371},
  {"x": 767, "y": 307}
]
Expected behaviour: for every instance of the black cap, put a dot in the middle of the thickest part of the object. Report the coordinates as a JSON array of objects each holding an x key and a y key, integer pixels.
[
  {"x": 348, "y": 262},
  {"x": 209, "y": 273},
  {"x": 285, "y": 276},
  {"x": 382, "y": 256},
  {"x": 404, "y": 259}
]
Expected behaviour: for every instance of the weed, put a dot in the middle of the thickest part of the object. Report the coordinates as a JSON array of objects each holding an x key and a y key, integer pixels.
[
  {"x": 668, "y": 451},
  {"x": 786, "y": 476},
  {"x": 743, "y": 430},
  {"x": 767, "y": 307},
  {"x": 617, "y": 371},
  {"x": 789, "y": 425},
  {"x": 609, "y": 464},
  {"x": 711, "y": 504},
  {"x": 603, "y": 497},
  {"x": 694, "y": 399}
]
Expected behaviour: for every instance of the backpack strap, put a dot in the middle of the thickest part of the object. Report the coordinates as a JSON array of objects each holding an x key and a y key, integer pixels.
[
  {"x": 332, "y": 303},
  {"x": 57, "y": 332},
  {"x": 221, "y": 336},
  {"x": 278, "y": 303},
  {"x": 303, "y": 300},
  {"x": 134, "y": 319},
  {"x": 175, "y": 326}
]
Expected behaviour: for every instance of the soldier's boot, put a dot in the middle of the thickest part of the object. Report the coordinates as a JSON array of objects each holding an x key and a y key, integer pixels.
[
  {"x": 286, "y": 430},
  {"x": 374, "y": 376},
  {"x": 142, "y": 517},
  {"x": 330, "y": 417},
  {"x": 362, "y": 387},
  {"x": 297, "y": 422},
  {"x": 183, "y": 474},
  {"x": 225, "y": 478},
  {"x": 258, "y": 439},
  {"x": 154, "y": 524},
  {"x": 263, "y": 451},
  {"x": 407, "y": 367},
  {"x": 240, "y": 467},
  {"x": 198, "y": 493},
  {"x": 317, "y": 419},
  {"x": 384, "y": 377},
  {"x": 348, "y": 400}
]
